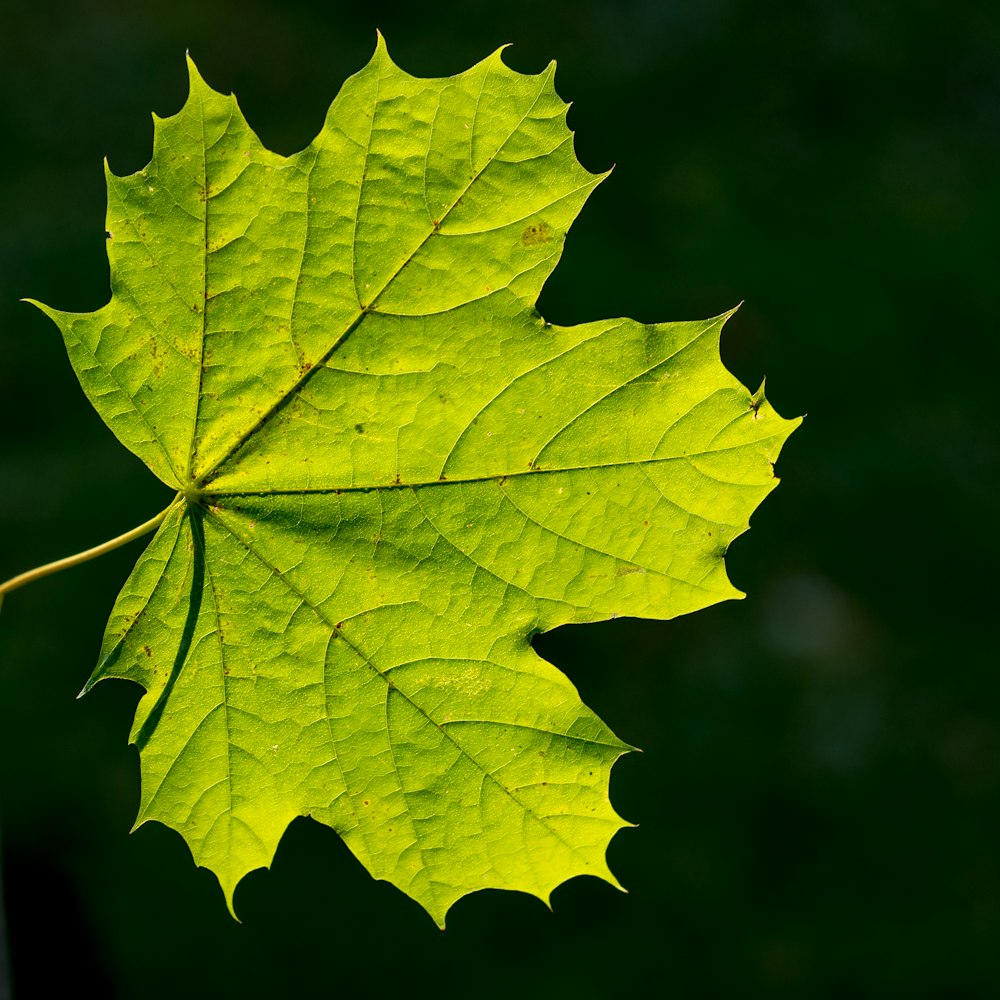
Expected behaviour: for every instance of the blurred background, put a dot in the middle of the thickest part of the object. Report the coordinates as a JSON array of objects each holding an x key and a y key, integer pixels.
[{"x": 819, "y": 800}]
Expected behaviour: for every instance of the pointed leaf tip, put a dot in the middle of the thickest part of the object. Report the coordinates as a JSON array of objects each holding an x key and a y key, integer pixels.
[
  {"x": 195, "y": 80},
  {"x": 230, "y": 903},
  {"x": 53, "y": 314},
  {"x": 724, "y": 317}
]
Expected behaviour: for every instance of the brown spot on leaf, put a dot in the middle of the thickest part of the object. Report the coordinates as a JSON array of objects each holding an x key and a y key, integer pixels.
[{"x": 538, "y": 232}]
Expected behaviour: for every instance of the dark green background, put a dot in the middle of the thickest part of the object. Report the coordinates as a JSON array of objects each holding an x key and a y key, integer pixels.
[{"x": 819, "y": 800}]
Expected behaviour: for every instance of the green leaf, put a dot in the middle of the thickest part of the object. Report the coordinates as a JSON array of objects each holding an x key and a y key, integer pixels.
[{"x": 392, "y": 473}]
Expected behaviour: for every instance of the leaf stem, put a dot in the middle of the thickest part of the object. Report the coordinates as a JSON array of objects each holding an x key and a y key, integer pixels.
[{"x": 81, "y": 557}]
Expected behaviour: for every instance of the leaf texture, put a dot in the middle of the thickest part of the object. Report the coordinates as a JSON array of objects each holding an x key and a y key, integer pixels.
[{"x": 391, "y": 474}]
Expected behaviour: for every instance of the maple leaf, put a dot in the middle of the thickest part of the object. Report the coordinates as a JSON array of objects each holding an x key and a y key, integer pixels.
[{"x": 391, "y": 473}]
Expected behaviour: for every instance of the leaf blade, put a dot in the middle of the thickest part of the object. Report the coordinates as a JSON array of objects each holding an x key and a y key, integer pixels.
[{"x": 396, "y": 474}]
